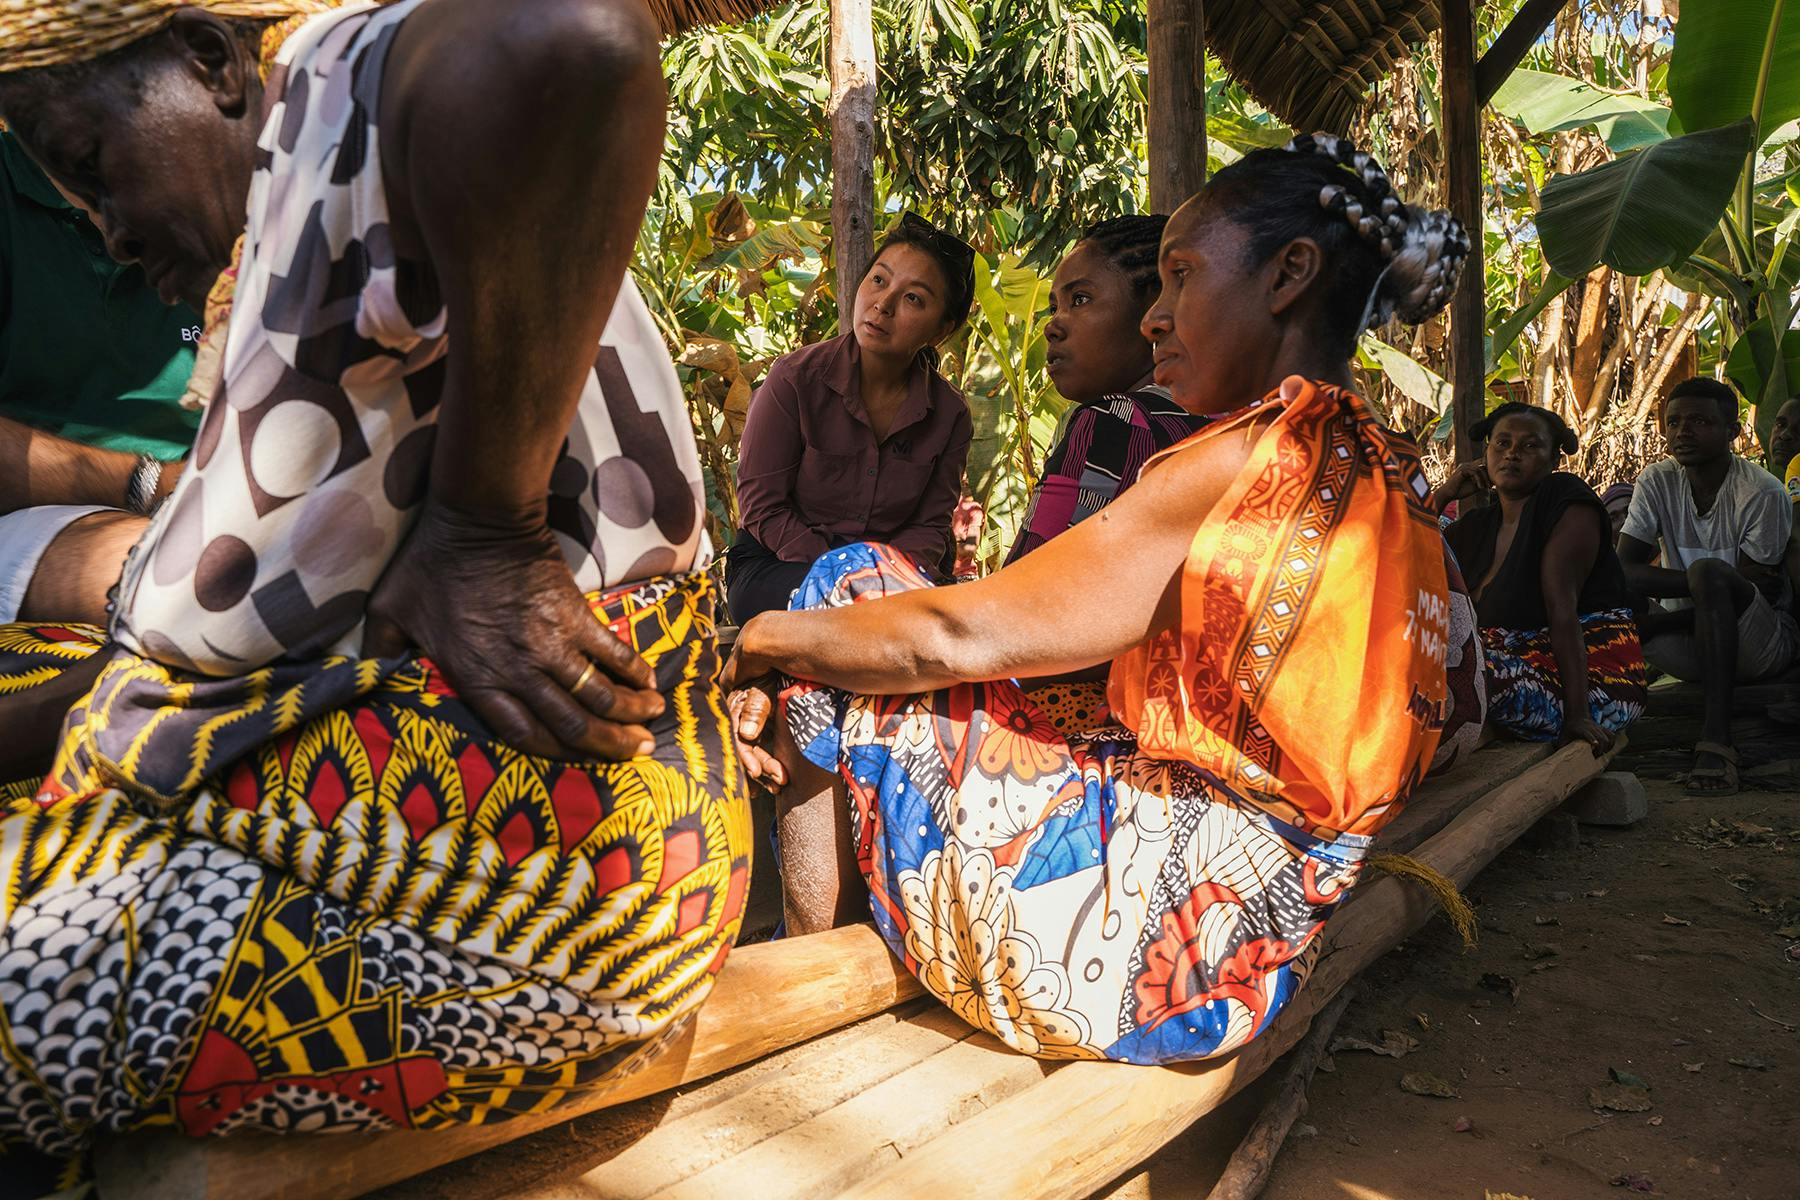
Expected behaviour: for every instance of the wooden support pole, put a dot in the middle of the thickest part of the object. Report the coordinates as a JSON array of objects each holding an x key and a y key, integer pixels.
[
  {"x": 1177, "y": 112},
  {"x": 852, "y": 113},
  {"x": 1462, "y": 153},
  {"x": 1527, "y": 25}
]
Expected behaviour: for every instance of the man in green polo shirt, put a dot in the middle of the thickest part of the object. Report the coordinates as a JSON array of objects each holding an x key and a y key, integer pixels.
[{"x": 92, "y": 367}]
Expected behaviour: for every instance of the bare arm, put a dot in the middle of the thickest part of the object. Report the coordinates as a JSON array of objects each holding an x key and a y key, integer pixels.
[
  {"x": 1766, "y": 576},
  {"x": 1645, "y": 579},
  {"x": 526, "y": 138},
  {"x": 1034, "y": 618},
  {"x": 39, "y": 468}
]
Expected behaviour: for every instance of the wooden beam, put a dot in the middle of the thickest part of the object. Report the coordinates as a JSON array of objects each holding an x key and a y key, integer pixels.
[
  {"x": 1247, "y": 1174},
  {"x": 1177, "y": 110},
  {"x": 1462, "y": 154},
  {"x": 1527, "y": 25},
  {"x": 852, "y": 113},
  {"x": 769, "y": 996}
]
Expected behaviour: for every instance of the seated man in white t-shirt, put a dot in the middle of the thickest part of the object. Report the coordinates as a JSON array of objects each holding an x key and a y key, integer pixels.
[{"x": 1722, "y": 523}]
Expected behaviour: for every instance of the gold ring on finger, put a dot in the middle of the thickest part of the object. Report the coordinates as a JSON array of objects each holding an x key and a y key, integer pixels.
[{"x": 581, "y": 681}]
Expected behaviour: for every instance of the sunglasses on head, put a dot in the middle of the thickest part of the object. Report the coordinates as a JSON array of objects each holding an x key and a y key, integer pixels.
[{"x": 948, "y": 244}]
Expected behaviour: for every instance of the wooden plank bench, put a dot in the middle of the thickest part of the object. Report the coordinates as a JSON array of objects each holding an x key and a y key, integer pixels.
[{"x": 825, "y": 1075}]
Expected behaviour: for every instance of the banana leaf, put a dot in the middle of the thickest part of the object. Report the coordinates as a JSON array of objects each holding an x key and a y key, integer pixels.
[{"x": 1645, "y": 210}]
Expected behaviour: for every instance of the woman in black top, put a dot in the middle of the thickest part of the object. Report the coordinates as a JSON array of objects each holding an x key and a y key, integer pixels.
[{"x": 1563, "y": 658}]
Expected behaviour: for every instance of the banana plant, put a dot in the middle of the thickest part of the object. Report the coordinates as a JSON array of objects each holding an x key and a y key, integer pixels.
[
  {"x": 1693, "y": 201},
  {"x": 1014, "y": 408}
]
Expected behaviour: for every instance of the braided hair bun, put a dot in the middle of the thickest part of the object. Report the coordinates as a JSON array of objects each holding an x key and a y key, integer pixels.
[{"x": 1424, "y": 250}]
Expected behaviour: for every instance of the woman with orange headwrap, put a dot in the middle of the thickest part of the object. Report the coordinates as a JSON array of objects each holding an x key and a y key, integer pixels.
[{"x": 365, "y": 820}]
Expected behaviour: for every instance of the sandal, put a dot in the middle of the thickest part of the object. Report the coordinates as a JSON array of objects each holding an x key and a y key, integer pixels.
[{"x": 1727, "y": 773}]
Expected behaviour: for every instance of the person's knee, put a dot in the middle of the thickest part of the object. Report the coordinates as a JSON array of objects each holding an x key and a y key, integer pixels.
[{"x": 1714, "y": 581}]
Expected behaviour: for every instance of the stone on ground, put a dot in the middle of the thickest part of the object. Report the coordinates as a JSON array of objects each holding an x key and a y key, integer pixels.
[{"x": 1615, "y": 798}]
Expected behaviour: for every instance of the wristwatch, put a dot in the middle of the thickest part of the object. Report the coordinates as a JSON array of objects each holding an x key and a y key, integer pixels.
[{"x": 140, "y": 492}]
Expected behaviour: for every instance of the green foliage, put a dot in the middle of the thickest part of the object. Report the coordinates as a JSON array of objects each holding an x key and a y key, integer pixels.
[
  {"x": 1035, "y": 110},
  {"x": 1014, "y": 408},
  {"x": 1647, "y": 209},
  {"x": 1416, "y": 381},
  {"x": 1694, "y": 202},
  {"x": 1717, "y": 74},
  {"x": 1016, "y": 126},
  {"x": 1547, "y": 103},
  {"x": 1751, "y": 362}
]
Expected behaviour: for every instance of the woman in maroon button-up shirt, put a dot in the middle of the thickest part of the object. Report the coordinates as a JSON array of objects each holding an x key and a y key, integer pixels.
[{"x": 858, "y": 438}]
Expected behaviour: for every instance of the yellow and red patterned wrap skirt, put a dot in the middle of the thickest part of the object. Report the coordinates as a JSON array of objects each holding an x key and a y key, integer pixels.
[{"x": 322, "y": 897}]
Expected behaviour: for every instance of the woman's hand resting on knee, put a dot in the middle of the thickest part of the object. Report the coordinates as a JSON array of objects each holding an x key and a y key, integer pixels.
[{"x": 497, "y": 611}]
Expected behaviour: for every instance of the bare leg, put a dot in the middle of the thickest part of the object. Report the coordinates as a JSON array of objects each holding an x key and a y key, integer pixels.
[
  {"x": 1720, "y": 595},
  {"x": 80, "y": 567},
  {"x": 821, "y": 885}
]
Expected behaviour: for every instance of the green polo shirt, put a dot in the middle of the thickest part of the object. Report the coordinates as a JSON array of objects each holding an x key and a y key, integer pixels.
[{"x": 87, "y": 350}]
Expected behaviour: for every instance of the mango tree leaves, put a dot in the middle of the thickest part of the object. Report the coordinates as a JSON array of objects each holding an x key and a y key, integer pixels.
[
  {"x": 1546, "y": 103},
  {"x": 1719, "y": 48},
  {"x": 1645, "y": 210}
]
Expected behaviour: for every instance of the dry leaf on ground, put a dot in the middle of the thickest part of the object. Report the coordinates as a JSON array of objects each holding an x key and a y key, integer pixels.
[
  {"x": 1393, "y": 1044},
  {"x": 1422, "y": 1083},
  {"x": 1617, "y": 1097}
]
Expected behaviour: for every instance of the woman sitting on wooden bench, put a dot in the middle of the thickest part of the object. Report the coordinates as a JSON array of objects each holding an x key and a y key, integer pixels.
[
  {"x": 1272, "y": 596},
  {"x": 1558, "y": 632},
  {"x": 405, "y": 794}
]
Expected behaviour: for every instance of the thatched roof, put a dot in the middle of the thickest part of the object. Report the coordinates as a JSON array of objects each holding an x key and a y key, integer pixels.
[
  {"x": 1310, "y": 61},
  {"x": 679, "y": 16}
]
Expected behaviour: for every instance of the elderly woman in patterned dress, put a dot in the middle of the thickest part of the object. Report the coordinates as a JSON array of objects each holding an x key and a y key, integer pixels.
[{"x": 399, "y": 790}]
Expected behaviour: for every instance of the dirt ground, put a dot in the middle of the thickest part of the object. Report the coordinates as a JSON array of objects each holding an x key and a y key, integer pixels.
[{"x": 1668, "y": 953}]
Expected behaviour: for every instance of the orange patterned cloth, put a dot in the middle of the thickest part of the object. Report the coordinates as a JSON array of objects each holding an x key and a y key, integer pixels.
[{"x": 1313, "y": 600}]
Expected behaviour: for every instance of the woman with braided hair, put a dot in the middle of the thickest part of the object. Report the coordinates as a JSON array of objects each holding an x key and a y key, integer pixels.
[
  {"x": 1101, "y": 364},
  {"x": 1271, "y": 596},
  {"x": 1557, "y": 627},
  {"x": 399, "y": 791}
]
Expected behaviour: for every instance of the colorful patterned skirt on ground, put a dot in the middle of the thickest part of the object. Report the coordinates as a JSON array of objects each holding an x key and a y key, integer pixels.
[
  {"x": 1071, "y": 895},
  {"x": 323, "y": 898},
  {"x": 1525, "y": 689}
]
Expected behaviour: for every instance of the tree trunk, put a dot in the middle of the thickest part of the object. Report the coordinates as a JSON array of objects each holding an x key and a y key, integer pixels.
[
  {"x": 1633, "y": 314},
  {"x": 1651, "y": 384},
  {"x": 1543, "y": 363},
  {"x": 1590, "y": 332},
  {"x": 852, "y": 113},
  {"x": 1462, "y": 156},
  {"x": 1177, "y": 114}
]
